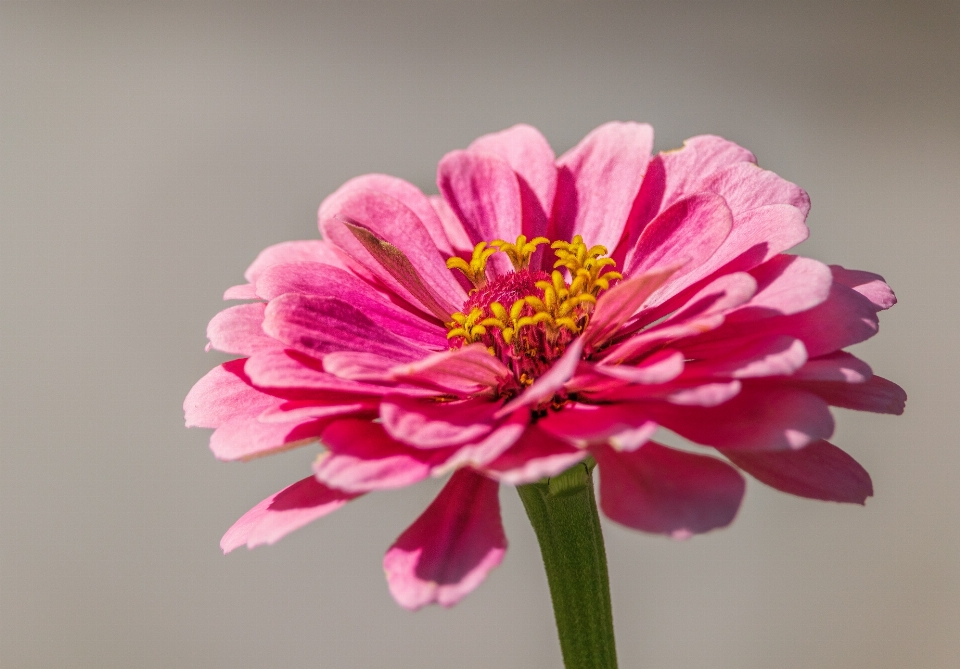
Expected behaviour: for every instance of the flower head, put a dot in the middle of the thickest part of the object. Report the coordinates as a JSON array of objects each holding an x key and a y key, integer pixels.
[{"x": 539, "y": 313}]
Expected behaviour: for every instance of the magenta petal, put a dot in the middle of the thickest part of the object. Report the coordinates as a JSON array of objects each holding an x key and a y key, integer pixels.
[
  {"x": 530, "y": 156},
  {"x": 477, "y": 455},
  {"x": 617, "y": 305},
  {"x": 662, "y": 490},
  {"x": 758, "y": 418},
  {"x": 247, "y": 437},
  {"x": 363, "y": 457},
  {"x": 451, "y": 547},
  {"x": 389, "y": 240},
  {"x": 778, "y": 355},
  {"x": 239, "y": 330},
  {"x": 876, "y": 394},
  {"x": 282, "y": 513},
  {"x": 870, "y": 285},
  {"x": 624, "y": 426},
  {"x": 462, "y": 371},
  {"x": 426, "y": 423},
  {"x": 690, "y": 231},
  {"x": 839, "y": 366},
  {"x": 224, "y": 393},
  {"x": 552, "y": 381},
  {"x": 535, "y": 455},
  {"x": 319, "y": 325},
  {"x": 598, "y": 181},
  {"x": 819, "y": 470},
  {"x": 483, "y": 191},
  {"x": 786, "y": 285},
  {"x": 661, "y": 367}
]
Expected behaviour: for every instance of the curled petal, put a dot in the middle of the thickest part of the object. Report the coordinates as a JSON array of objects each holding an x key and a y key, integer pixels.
[
  {"x": 624, "y": 426},
  {"x": 870, "y": 285},
  {"x": 451, "y": 547},
  {"x": 662, "y": 490},
  {"x": 616, "y": 306},
  {"x": 426, "y": 423},
  {"x": 535, "y": 455},
  {"x": 282, "y": 513},
  {"x": 462, "y": 371},
  {"x": 876, "y": 394},
  {"x": 819, "y": 470}
]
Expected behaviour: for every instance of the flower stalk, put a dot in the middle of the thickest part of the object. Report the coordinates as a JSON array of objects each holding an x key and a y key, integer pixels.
[{"x": 563, "y": 512}]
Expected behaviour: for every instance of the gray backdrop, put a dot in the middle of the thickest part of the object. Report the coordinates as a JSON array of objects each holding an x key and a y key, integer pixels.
[{"x": 149, "y": 151}]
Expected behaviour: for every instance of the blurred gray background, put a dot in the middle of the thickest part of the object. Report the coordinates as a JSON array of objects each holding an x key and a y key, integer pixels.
[{"x": 149, "y": 151}]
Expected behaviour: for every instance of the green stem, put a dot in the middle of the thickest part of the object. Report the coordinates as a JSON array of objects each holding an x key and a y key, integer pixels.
[{"x": 563, "y": 512}]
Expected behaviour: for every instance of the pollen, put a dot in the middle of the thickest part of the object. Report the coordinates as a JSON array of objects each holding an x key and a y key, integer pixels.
[{"x": 528, "y": 317}]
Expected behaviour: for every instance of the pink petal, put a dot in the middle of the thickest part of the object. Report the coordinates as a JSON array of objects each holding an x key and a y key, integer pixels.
[
  {"x": 483, "y": 191},
  {"x": 819, "y": 470},
  {"x": 702, "y": 394},
  {"x": 757, "y": 236},
  {"x": 451, "y": 547},
  {"x": 478, "y": 455},
  {"x": 839, "y": 366},
  {"x": 314, "y": 250},
  {"x": 302, "y": 410},
  {"x": 661, "y": 367},
  {"x": 282, "y": 513},
  {"x": 746, "y": 187},
  {"x": 777, "y": 355},
  {"x": 758, "y": 418},
  {"x": 549, "y": 383},
  {"x": 870, "y": 285},
  {"x": 452, "y": 226},
  {"x": 617, "y": 305},
  {"x": 462, "y": 371},
  {"x": 875, "y": 394},
  {"x": 358, "y": 366},
  {"x": 239, "y": 330},
  {"x": 786, "y": 285},
  {"x": 623, "y": 426},
  {"x": 224, "y": 393},
  {"x": 389, "y": 240},
  {"x": 411, "y": 196},
  {"x": 247, "y": 437},
  {"x": 319, "y": 325},
  {"x": 326, "y": 281},
  {"x": 245, "y": 291},
  {"x": 598, "y": 181},
  {"x": 689, "y": 232},
  {"x": 534, "y": 456},
  {"x": 662, "y": 490},
  {"x": 362, "y": 457},
  {"x": 426, "y": 423},
  {"x": 530, "y": 156}
]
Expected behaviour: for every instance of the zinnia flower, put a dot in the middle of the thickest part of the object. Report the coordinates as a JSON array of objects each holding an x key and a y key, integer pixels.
[{"x": 541, "y": 312}]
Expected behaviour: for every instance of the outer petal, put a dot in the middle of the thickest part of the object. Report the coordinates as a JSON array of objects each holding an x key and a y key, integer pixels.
[
  {"x": 870, "y": 285},
  {"x": 223, "y": 393},
  {"x": 760, "y": 417},
  {"x": 662, "y": 490},
  {"x": 313, "y": 250},
  {"x": 362, "y": 457},
  {"x": 598, "y": 182},
  {"x": 245, "y": 438},
  {"x": 282, "y": 513},
  {"x": 534, "y": 456},
  {"x": 875, "y": 394},
  {"x": 451, "y": 547},
  {"x": 483, "y": 191},
  {"x": 239, "y": 330},
  {"x": 819, "y": 470}
]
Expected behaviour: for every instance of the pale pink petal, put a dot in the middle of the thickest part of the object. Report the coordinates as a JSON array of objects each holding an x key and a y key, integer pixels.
[
  {"x": 870, "y": 285},
  {"x": 313, "y": 250},
  {"x": 301, "y": 410},
  {"x": 535, "y": 456},
  {"x": 483, "y": 191},
  {"x": 661, "y": 367},
  {"x": 224, "y": 393},
  {"x": 839, "y": 366},
  {"x": 624, "y": 426},
  {"x": 786, "y": 285},
  {"x": 746, "y": 187},
  {"x": 718, "y": 296},
  {"x": 758, "y": 418},
  {"x": 363, "y": 457},
  {"x": 426, "y": 423},
  {"x": 319, "y": 325},
  {"x": 282, "y": 513},
  {"x": 389, "y": 240},
  {"x": 462, "y": 371},
  {"x": 247, "y": 437},
  {"x": 757, "y": 236},
  {"x": 411, "y": 196},
  {"x": 662, "y": 490},
  {"x": 451, "y": 547},
  {"x": 819, "y": 470},
  {"x": 244, "y": 291},
  {"x": 598, "y": 180},
  {"x": 876, "y": 394},
  {"x": 452, "y": 226},
  {"x": 547, "y": 385},
  {"x": 239, "y": 330},
  {"x": 689, "y": 232},
  {"x": 530, "y": 156},
  {"x": 616, "y": 306}
]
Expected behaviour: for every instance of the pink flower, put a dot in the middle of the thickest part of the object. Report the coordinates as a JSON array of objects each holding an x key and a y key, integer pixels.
[{"x": 540, "y": 312}]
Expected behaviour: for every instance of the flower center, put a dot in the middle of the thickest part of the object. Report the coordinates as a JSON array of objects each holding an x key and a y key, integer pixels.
[{"x": 527, "y": 318}]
